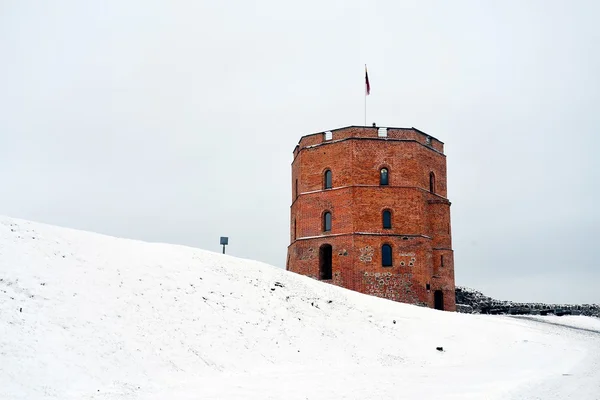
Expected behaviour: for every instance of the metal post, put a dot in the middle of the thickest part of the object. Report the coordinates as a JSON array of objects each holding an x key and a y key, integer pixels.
[{"x": 365, "y": 95}]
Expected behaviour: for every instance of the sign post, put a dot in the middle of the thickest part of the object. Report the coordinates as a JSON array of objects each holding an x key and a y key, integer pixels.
[{"x": 224, "y": 242}]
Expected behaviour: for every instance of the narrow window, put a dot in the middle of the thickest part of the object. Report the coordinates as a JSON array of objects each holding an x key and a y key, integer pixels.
[
  {"x": 327, "y": 221},
  {"x": 432, "y": 182},
  {"x": 383, "y": 176},
  {"x": 386, "y": 255},
  {"x": 296, "y": 188},
  {"x": 295, "y": 229},
  {"x": 442, "y": 261},
  {"x": 387, "y": 219},
  {"x": 327, "y": 179}
]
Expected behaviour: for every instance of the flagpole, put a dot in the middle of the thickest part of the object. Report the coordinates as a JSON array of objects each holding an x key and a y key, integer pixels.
[
  {"x": 365, "y": 97},
  {"x": 365, "y": 109}
]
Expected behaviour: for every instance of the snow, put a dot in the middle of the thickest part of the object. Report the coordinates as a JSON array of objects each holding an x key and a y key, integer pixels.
[
  {"x": 88, "y": 316},
  {"x": 591, "y": 324}
]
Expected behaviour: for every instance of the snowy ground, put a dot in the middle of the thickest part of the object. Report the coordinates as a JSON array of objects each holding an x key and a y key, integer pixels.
[{"x": 86, "y": 316}]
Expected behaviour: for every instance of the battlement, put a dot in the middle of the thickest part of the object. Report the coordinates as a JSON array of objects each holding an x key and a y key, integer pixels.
[{"x": 369, "y": 133}]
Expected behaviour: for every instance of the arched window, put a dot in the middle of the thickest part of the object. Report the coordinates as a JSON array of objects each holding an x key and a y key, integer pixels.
[
  {"x": 327, "y": 179},
  {"x": 387, "y": 219},
  {"x": 386, "y": 255},
  {"x": 383, "y": 177},
  {"x": 432, "y": 182},
  {"x": 327, "y": 221}
]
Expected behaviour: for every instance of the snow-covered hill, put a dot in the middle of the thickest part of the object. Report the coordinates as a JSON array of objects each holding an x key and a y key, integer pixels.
[{"x": 87, "y": 316}]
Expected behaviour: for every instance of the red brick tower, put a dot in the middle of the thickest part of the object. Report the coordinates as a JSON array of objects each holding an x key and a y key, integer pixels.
[{"x": 369, "y": 213}]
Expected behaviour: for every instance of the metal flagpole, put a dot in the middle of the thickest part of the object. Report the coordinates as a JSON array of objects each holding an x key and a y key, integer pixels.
[
  {"x": 365, "y": 109},
  {"x": 365, "y": 95}
]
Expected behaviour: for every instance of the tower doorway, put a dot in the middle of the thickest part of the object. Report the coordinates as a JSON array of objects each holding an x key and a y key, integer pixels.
[
  {"x": 325, "y": 255},
  {"x": 438, "y": 300}
]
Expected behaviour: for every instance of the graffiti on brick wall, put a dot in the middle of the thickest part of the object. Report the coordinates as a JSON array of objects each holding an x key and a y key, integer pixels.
[
  {"x": 305, "y": 254},
  {"x": 366, "y": 254},
  {"x": 391, "y": 286},
  {"x": 408, "y": 259}
]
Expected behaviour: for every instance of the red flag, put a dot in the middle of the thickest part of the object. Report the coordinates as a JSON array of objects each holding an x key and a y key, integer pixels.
[{"x": 368, "y": 86}]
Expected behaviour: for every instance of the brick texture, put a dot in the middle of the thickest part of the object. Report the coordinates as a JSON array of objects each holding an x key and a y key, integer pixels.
[{"x": 420, "y": 235}]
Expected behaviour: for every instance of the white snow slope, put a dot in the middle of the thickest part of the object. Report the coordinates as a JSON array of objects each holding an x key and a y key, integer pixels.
[{"x": 87, "y": 316}]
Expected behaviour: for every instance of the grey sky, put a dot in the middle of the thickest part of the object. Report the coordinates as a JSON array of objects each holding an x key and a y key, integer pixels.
[{"x": 175, "y": 121}]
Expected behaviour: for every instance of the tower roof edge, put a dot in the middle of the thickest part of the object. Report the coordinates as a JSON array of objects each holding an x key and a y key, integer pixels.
[{"x": 370, "y": 127}]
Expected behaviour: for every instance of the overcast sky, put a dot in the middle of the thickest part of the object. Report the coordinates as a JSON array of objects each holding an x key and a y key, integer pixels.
[{"x": 176, "y": 121}]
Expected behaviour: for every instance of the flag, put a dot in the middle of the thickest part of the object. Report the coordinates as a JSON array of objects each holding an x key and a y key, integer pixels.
[{"x": 367, "y": 85}]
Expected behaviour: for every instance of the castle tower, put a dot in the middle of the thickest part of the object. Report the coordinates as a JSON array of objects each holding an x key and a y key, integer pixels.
[{"x": 370, "y": 213}]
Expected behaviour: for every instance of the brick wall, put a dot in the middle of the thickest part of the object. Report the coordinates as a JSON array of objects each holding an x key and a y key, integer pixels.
[{"x": 420, "y": 234}]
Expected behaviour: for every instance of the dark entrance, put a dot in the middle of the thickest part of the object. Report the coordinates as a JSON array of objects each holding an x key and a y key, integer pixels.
[
  {"x": 325, "y": 254},
  {"x": 438, "y": 300}
]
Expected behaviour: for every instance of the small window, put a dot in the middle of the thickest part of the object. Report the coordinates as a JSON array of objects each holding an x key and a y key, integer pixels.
[
  {"x": 327, "y": 221},
  {"x": 327, "y": 179},
  {"x": 382, "y": 132},
  {"x": 383, "y": 177},
  {"x": 328, "y": 135},
  {"x": 386, "y": 255},
  {"x": 387, "y": 219},
  {"x": 295, "y": 229},
  {"x": 428, "y": 140},
  {"x": 427, "y": 286},
  {"x": 296, "y": 188},
  {"x": 442, "y": 261},
  {"x": 432, "y": 182}
]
